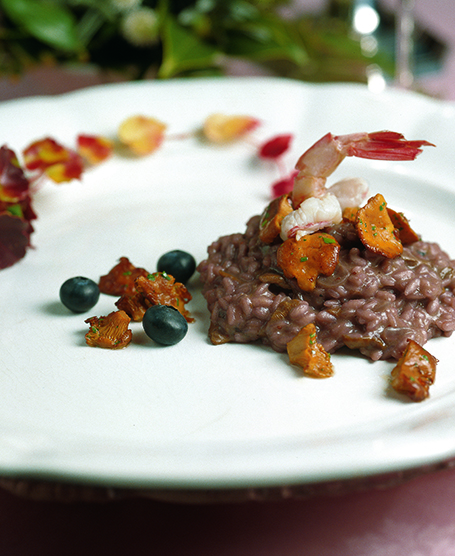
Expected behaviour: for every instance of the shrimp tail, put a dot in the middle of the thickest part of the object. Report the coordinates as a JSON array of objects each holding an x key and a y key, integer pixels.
[{"x": 382, "y": 145}]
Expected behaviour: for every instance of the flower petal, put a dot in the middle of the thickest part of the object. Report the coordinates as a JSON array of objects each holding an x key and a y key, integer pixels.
[
  {"x": 219, "y": 128},
  {"x": 141, "y": 134},
  {"x": 14, "y": 238},
  {"x": 65, "y": 171},
  {"x": 56, "y": 161},
  {"x": 16, "y": 211},
  {"x": 94, "y": 148},
  {"x": 275, "y": 147},
  {"x": 284, "y": 185},
  {"x": 43, "y": 153},
  {"x": 14, "y": 185}
]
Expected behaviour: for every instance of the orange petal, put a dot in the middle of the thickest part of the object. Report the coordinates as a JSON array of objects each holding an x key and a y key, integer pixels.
[
  {"x": 94, "y": 148},
  {"x": 141, "y": 134},
  {"x": 68, "y": 170},
  {"x": 43, "y": 153},
  {"x": 220, "y": 128},
  {"x": 58, "y": 162}
]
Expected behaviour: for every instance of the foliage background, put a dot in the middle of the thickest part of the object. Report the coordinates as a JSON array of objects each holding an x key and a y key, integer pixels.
[{"x": 170, "y": 38}]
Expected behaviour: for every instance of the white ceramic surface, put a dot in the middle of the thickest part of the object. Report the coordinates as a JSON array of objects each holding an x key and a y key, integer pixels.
[{"x": 196, "y": 415}]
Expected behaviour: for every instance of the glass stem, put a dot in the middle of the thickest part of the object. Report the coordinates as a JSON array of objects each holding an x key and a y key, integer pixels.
[{"x": 404, "y": 75}]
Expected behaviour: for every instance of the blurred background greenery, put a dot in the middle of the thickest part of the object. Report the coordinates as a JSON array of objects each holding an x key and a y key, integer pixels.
[{"x": 170, "y": 38}]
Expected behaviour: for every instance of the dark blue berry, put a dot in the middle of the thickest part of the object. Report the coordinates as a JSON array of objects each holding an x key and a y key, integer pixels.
[
  {"x": 179, "y": 264},
  {"x": 79, "y": 294},
  {"x": 164, "y": 324}
]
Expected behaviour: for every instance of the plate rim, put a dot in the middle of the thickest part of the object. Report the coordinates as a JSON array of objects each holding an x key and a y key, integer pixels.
[{"x": 416, "y": 460}]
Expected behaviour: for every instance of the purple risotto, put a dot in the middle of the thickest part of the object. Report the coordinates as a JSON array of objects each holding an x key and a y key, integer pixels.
[
  {"x": 327, "y": 267},
  {"x": 370, "y": 302}
]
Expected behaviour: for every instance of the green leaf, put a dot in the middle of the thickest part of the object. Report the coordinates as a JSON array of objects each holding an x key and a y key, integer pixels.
[
  {"x": 335, "y": 55},
  {"x": 15, "y": 210},
  {"x": 267, "y": 38},
  {"x": 50, "y": 23},
  {"x": 183, "y": 51}
]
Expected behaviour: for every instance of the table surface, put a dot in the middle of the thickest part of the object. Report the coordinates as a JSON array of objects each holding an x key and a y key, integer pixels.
[{"x": 414, "y": 518}]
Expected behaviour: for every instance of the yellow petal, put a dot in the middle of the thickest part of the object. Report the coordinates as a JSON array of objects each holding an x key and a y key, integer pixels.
[
  {"x": 220, "y": 128},
  {"x": 141, "y": 134}
]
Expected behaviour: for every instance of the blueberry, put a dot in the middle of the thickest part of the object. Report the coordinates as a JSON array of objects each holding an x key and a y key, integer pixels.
[
  {"x": 179, "y": 264},
  {"x": 79, "y": 294},
  {"x": 164, "y": 324}
]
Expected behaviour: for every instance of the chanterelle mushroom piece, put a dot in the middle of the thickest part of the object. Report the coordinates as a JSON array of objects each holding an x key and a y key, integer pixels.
[
  {"x": 402, "y": 227},
  {"x": 120, "y": 280},
  {"x": 305, "y": 351},
  {"x": 306, "y": 258},
  {"x": 271, "y": 218},
  {"x": 415, "y": 372},
  {"x": 109, "y": 332},
  {"x": 161, "y": 288},
  {"x": 375, "y": 229}
]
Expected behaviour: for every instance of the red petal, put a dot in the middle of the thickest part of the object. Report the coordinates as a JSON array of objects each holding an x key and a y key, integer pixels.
[
  {"x": 14, "y": 239},
  {"x": 275, "y": 147},
  {"x": 285, "y": 185},
  {"x": 94, "y": 148},
  {"x": 13, "y": 183}
]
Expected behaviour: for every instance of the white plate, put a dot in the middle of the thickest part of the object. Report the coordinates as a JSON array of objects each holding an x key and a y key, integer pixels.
[{"x": 196, "y": 415}]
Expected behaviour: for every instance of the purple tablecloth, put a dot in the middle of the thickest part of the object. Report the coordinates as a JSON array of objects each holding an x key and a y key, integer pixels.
[{"x": 414, "y": 518}]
